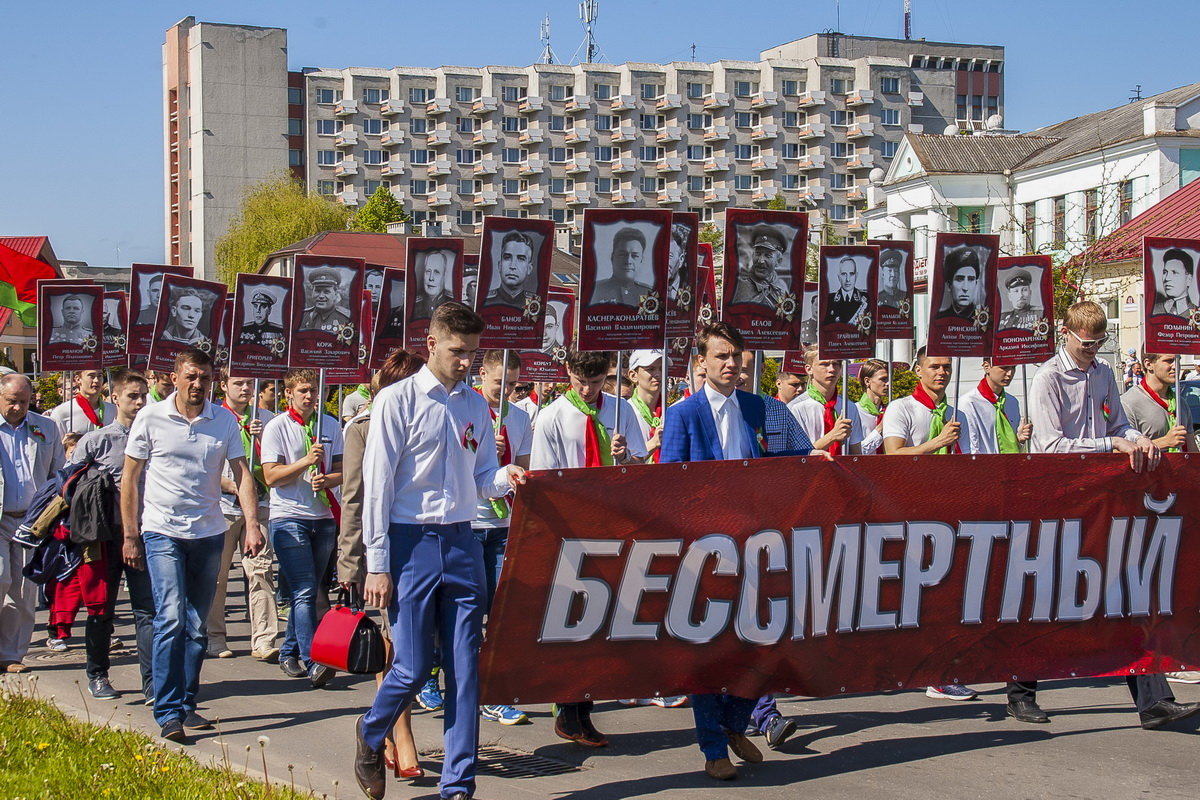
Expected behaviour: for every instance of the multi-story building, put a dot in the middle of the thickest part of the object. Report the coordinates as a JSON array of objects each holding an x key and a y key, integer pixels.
[{"x": 806, "y": 123}]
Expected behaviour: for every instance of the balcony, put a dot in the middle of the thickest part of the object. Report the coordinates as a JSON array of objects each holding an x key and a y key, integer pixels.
[
  {"x": 812, "y": 193},
  {"x": 670, "y": 197},
  {"x": 486, "y": 166},
  {"x": 486, "y": 136},
  {"x": 860, "y": 130},
  {"x": 437, "y": 138},
  {"x": 716, "y": 100},
  {"x": 716, "y": 133},
  {"x": 916, "y": 99},
  {"x": 856, "y": 225},
  {"x": 484, "y": 106},
  {"x": 856, "y": 193},
  {"x": 393, "y": 166},
  {"x": 762, "y": 133},
  {"x": 623, "y": 102},
  {"x": 532, "y": 166},
  {"x": 916, "y": 127},
  {"x": 344, "y": 108},
  {"x": 816, "y": 161},
  {"x": 764, "y": 194},
  {"x": 531, "y": 136},
  {"x": 623, "y": 197},
  {"x": 348, "y": 198},
  {"x": 578, "y": 103},
  {"x": 347, "y": 166},
  {"x": 578, "y": 135},
  {"x": 764, "y": 99},
  {"x": 669, "y": 133},
  {"x": 860, "y": 97},
  {"x": 392, "y": 137},
  {"x": 812, "y": 130},
  {"x": 810, "y": 99},
  {"x": 861, "y": 161},
  {"x": 391, "y": 107},
  {"x": 531, "y": 104},
  {"x": 533, "y": 197},
  {"x": 347, "y": 138},
  {"x": 669, "y": 164},
  {"x": 579, "y": 197},
  {"x": 765, "y": 162},
  {"x": 440, "y": 166},
  {"x": 438, "y": 105},
  {"x": 722, "y": 195},
  {"x": 486, "y": 199},
  {"x": 624, "y": 164},
  {"x": 669, "y": 101},
  {"x": 438, "y": 199},
  {"x": 623, "y": 133},
  {"x": 716, "y": 164},
  {"x": 579, "y": 164}
]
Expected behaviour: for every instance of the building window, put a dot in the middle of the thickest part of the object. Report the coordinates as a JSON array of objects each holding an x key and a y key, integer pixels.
[
  {"x": 513, "y": 124},
  {"x": 695, "y": 91},
  {"x": 890, "y": 116},
  {"x": 418, "y": 187},
  {"x": 466, "y": 156},
  {"x": 650, "y": 122},
  {"x": 790, "y": 88},
  {"x": 697, "y": 152},
  {"x": 328, "y": 96},
  {"x": 1126, "y": 201},
  {"x": 327, "y": 158},
  {"x": 295, "y": 127},
  {"x": 510, "y": 186},
  {"x": 744, "y": 88},
  {"x": 745, "y": 152},
  {"x": 325, "y": 188},
  {"x": 744, "y": 182},
  {"x": 888, "y": 149},
  {"x": 605, "y": 122},
  {"x": 993, "y": 105},
  {"x": 842, "y": 149},
  {"x": 329, "y": 127},
  {"x": 651, "y": 184},
  {"x": 1091, "y": 214},
  {"x": 417, "y": 95},
  {"x": 745, "y": 119},
  {"x": 695, "y": 183},
  {"x": 295, "y": 96},
  {"x": 602, "y": 91},
  {"x": 840, "y": 180},
  {"x": 418, "y": 156},
  {"x": 960, "y": 107},
  {"x": 558, "y": 123},
  {"x": 512, "y": 155},
  {"x": 295, "y": 158},
  {"x": 418, "y": 125},
  {"x": 468, "y": 217},
  {"x": 1058, "y": 233},
  {"x": 374, "y": 127},
  {"x": 889, "y": 85},
  {"x": 971, "y": 220},
  {"x": 792, "y": 150},
  {"x": 604, "y": 154},
  {"x": 841, "y": 86},
  {"x": 512, "y": 94},
  {"x": 558, "y": 186},
  {"x": 375, "y": 96},
  {"x": 841, "y": 117},
  {"x": 794, "y": 119},
  {"x": 840, "y": 213},
  {"x": 464, "y": 124},
  {"x": 650, "y": 153},
  {"x": 558, "y": 91},
  {"x": 465, "y": 94},
  {"x": 375, "y": 157},
  {"x": 604, "y": 185},
  {"x": 375, "y": 186},
  {"x": 1030, "y": 222},
  {"x": 791, "y": 181},
  {"x": 558, "y": 155},
  {"x": 651, "y": 91}
]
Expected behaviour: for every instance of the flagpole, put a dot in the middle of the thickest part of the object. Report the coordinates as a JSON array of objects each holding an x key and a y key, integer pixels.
[
  {"x": 1025, "y": 398},
  {"x": 845, "y": 387},
  {"x": 253, "y": 416},
  {"x": 503, "y": 394},
  {"x": 662, "y": 384},
  {"x": 758, "y": 368},
  {"x": 617, "y": 392},
  {"x": 891, "y": 358},
  {"x": 957, "y": 376},
  {"x": 69, "y": 380}
]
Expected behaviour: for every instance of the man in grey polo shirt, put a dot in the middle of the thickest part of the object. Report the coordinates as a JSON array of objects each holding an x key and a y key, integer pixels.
[{"x": 182, "y": 444}]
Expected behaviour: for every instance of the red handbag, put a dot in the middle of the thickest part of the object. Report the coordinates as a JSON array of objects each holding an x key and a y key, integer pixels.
[{"x": 347, "y": 639}]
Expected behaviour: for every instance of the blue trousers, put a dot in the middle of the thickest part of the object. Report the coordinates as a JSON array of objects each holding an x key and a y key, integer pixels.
[
  {"x": 183, "y": 574},
  {"x": 764, "y": 710},
  {"x": 439, "y": 587},
  {"x": 494, "y": 541},
  {"x": 303, "y": 547},
  {"x": 716, "y": 715}
]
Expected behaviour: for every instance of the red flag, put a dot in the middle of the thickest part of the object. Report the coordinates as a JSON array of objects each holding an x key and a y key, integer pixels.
[{"x": 19, "y": 276}]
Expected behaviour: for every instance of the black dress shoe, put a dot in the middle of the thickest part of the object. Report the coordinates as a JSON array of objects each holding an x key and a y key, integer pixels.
[
  {"x": 778, "y": 730},
  {"x": 319, "y": 675},
  {"x": 368, "y": 765},
  {"x": 1027, "y": 711},
  {"x": 1164, "y": 712},
  {"x": 292, "y": 667}
]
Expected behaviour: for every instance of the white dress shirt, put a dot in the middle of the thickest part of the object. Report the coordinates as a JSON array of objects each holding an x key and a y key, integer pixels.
[
  {"x": 872, "y": 441},
  {"x": 529, "y": 407},
  {"x": 981, "y": 419},
  {"x": 811, "y": 416},
  {"x": 559, "y": 434},
  {"x": 70, "y": 418},
  {"x": 731, "y": 427},
  {"x": 1066, "y": 407},
  {"x": 430, "y": 456},
  {"x": 907, "y": 419},
  {"x": 520, "y": 443}
]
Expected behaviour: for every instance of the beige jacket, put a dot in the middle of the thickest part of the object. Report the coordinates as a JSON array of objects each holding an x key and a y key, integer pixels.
[{"x": 45, "y": 448}]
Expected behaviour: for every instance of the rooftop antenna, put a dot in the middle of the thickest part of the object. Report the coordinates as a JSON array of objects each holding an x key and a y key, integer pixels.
[
  {"x": 907, "y": 19},
  {"x": 838, "y": 5},
  {"x": 588, "y": 11},
  {"x": 693, "y": 51},
  {"x": 1137, "y": 93},
  {"x": 548, "y": 56}
]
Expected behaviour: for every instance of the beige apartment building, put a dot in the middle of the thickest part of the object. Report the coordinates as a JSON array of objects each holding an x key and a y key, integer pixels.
[{"x": 808, "y": 122}]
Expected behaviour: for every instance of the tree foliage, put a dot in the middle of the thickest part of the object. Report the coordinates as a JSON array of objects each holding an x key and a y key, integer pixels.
[
  {"x": 777, "y": 203},
  {"x": 274, "y": 214},
  {"x": 713, "y": 235},
  {"x": 381, "y": 209},
  {"x": 768, "y": 382}
]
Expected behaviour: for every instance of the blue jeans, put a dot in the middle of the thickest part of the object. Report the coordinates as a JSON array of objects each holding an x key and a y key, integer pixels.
[
  {"x": 716, "y": 716},
  {"x": 494, "y": 541},
  {"x": 303, "y": 547},
  {"x": 183, "y": 576}
]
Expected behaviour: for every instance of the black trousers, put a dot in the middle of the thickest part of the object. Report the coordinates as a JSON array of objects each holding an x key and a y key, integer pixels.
[
  {"x": 98, "y": 630},
  {"x": 1146, "y": 690}
]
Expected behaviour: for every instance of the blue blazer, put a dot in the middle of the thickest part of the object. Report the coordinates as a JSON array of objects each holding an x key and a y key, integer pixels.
[{"x": 690, "y": 434}]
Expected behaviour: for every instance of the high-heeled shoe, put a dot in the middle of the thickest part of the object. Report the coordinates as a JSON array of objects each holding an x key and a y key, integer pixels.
[{"x": 406, "y": 773}]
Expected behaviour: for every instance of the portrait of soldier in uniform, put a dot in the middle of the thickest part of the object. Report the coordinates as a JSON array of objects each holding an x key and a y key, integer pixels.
[
  {"x": 552, "y": 333},
  {"x": 393, "y": 326},
  {"x": 963, "y": 285},
  {"x": 373, "y": 283},
  {"x": 1018, "y": 291},
  {"x": 846, "y": 303},
  {"x": 112, "y": 318},
  {"x": 323, "y": 301},
  {"x": 148, "y": 313},
  {"x": 512, "y": 272},
  {"x": 186, "y": 315},
  {"x": 1176, "y": 282},
  {"x": 808, "y": 318},
  {"x": 72, "y": 329},
  {"x": 431, "y": 283},
  {"x": 677, "y": 277},
  {"x": 764, "y": 281},
  {"x": 891, "y": 269},
  {"x": 623, "y": 287},
  {"x": 259, "y": 329}
]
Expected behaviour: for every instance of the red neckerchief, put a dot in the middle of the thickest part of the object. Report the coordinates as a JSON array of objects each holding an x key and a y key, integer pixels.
[
  {"x": 985, "y": 389},
  {"x": 591, "y": 443},
  {"x": 533, "y": 395},
  {"x": 829, "y": 420},
  {"x": 251, "y": 414},
  {"x": 88, "y": 411},
  {"x": 921, "y": 396},
  {"x": 1155, "y": 396},
  {"x": 330, "y": 499}
]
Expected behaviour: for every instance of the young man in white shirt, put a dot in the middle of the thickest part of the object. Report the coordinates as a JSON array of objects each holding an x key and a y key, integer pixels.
[
  {"x": 260, "y": 583},
  {"x": 302, "y": 464},
  {"x": 645, "y": 370},
  {"x": 160, "y": 386},
  {"x": 1075, "y": 407},
  {"x": 579, "y": 430},
  {"x": 993, "y": 415},
  {"x": 181, "y": 446},
  {"x": 522, "y": 397},
  {"x": 819, "y": 408},
  {"x": 925, "y": 424},
  {"x": 430, "y": 457},
  {"x": 87, "y": 410},
  {"x": 872, "y": 403}
]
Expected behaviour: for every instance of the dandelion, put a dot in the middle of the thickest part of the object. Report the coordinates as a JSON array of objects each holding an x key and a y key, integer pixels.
[
  {"x": 138, "y": 757},
  {"x": 107, "y": 767},
  {"x": 41, "y": 746},
  {"x": 263, "y": 741}
]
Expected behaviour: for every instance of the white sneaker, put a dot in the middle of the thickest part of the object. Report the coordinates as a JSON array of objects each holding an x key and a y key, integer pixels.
[
  {"x": 57, "y": 645},
  {"x": 951, "y": 692},
  {"x": 1183, "y": 677}
]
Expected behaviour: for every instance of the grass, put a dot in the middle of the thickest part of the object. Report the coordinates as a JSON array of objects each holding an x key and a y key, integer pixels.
[{"x": 46, "y": 754}]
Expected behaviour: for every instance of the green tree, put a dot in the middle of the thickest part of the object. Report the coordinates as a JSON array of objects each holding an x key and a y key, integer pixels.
[
  {"x": 274, "y": 214},
  {"x": 768, "y": 382},
  {"x": 382, "y": 208},
  {"x": 713, "y": 235},
  {"x": 777, "y": 203}
]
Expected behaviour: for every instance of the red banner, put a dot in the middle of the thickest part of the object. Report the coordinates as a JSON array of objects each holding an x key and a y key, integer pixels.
[
  {"x": 513, "y": 279},
  {"x": 70, "y": 325},
  {"x": 360, "y": 372},
  {"x": 820, "y": 579},
  {"x": 960, "y": 295},
  {"x": 389, "y": 318},
  {"x": 190, "y": 312},
  {"x": 1024, "y": 311},
  {"x": 1172, "y": 301},
  {"x": 262, "y": 324},
  {"x": 116, "y": 325},
  {"x": 326, "y": 293},
  {"x": 847, "y": 301},
  {"x": 763, "y": 278},
  {"x": 434, "y": 275},
  {"x": 550, "y": 363},
  {"x": 894, "y": 306},
  {"x": 682, "y": 275}
]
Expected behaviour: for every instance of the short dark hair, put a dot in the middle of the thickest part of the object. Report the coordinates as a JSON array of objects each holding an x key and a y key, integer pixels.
[
  {"x": 455, "y": 318},
  {"x": 492, "y": 358},
  {"x": 681, "y": 232},
  {"x": 194, "y": 356},
  {"x": 719, "y": 330},
  {"x": 398, "y": 365},
  {"x": 628, "y": 235},
  {"x": 521, "y": 237},
  {"x": 123, "y": 377},
  {"x": 590, "y": 363},
  {"x": 920, "y": 356},
  {"x": 1182, "y": 256},
  {"x": 188, "y": 291}
]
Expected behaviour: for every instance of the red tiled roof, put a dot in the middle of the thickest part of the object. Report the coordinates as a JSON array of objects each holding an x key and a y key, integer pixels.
[
  {"x": 1177, "y": 215},
  {"x": 381, "y": 249},
  {"x": 33, "y": 246}
]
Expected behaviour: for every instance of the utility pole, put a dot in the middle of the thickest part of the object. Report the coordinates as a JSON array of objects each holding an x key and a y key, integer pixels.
[
  {"x": 588, "y": 11},
  {"x": 548, "y": 56}
]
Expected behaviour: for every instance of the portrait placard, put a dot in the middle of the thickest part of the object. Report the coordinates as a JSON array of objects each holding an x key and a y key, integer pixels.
[
  {"x": 623, "y": 278},
  {"x": 793, "y": 362},
  {"x": 361, "y": 371},
  {"x": 1172, "y": 300},
  {"x": 389, "y": 318},
  {"x": 373, "y": 283},
  {"x": 848, "y": 277},
  {"x": 765, "y": 254},
  {"x": 434, "y": 275},
  {"x": 682, "y": 275},
  {"x": 262, "y": 323},
  {"x": 550, "y": 362},
  {"x": 961, "y": 302},
  {"x": 513, "y": 279},
  {"x": 326, "y": 293},
  {"x": 189, "y": 315},
  {"x": 70, "y": 325},
  {"x": 894, "y": 306},
  {"x": 810, "y": 314},
  {"x": 115, "y": 329},
  {"x": 145, "y": 291},
  {"x": 707, "y": 300},
  {"x": 1024, "y": 311}
]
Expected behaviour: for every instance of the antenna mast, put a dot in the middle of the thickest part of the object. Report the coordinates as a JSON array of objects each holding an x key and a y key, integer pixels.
[
  {"x": 907, "y": 19},
  {"x": 548, "y": 56},
  {"x": 588, "y": 11}
]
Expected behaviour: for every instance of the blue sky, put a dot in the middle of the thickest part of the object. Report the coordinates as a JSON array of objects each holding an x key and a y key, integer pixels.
[{"x": 81, "y": 128}]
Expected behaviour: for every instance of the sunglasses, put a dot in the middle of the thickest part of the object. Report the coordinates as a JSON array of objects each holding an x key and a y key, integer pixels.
[{"x": 1088, "y": 344}]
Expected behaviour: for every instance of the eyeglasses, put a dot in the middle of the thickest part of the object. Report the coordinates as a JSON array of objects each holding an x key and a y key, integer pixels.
[{"x": 1088, "y": 344}]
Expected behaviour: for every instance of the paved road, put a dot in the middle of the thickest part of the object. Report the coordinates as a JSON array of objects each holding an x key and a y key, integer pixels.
[{"x": 899, "y": 745}]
